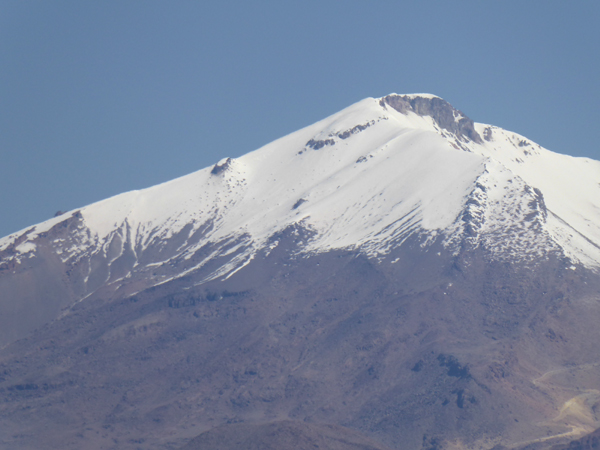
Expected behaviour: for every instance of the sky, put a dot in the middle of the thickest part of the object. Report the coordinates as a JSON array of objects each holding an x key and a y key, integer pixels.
[{"x": 99, "y": 98}]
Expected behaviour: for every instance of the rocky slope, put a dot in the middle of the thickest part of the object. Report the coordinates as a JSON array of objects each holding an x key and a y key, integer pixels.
[
  {"x": 588, "y": 442},
  {"x": 282, "y": 435},
  {"x": 396, "y": 269}
]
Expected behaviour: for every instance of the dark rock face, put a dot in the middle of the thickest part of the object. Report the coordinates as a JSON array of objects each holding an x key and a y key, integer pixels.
[
  {"x": 317, "y": 144},
  {"x": 442, "y": 112},
  {"x": 354, "y": 130},
  {"x": 488, "y": 134},
  {"x": 298, "y": 203},
  {"x": 219, "y": 168}
]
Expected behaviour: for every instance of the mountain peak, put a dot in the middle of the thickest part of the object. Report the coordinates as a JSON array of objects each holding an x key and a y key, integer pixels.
[{"x": 443, "y": 113}]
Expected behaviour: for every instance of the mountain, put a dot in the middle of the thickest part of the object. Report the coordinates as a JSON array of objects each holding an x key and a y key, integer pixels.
[{"x": 396, "y": 269}]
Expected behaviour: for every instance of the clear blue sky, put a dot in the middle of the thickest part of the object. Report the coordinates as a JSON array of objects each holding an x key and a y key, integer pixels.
[{"x": 98, "y": 98}]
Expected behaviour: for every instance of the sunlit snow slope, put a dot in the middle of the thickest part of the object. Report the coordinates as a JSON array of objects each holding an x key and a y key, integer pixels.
[{"x": 365, "y": 178}]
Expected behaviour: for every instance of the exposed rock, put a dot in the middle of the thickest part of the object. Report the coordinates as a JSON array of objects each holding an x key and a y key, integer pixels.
[
  {"x": 442, "y": 112},
  {"x": 488, "y": 134},
  {"x": 357, "y": 129},
  {"x": 319, "y": 144},
  {"x": 298, "y": 203},
  {"x": 221, "y": 166}
]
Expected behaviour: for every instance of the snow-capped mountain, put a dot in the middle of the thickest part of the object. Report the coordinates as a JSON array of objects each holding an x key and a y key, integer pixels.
[
  {"x": 365, "y": 178},
  {"x": 461, "y": 250}
]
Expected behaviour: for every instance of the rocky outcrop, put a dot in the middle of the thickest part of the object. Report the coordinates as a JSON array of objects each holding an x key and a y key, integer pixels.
[
  {"x": 442, "y": 112},
  {"x": 221, "y": 166}
]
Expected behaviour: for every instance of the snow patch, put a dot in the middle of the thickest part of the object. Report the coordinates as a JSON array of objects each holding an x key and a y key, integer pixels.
[{"x": 26, "y": 247}]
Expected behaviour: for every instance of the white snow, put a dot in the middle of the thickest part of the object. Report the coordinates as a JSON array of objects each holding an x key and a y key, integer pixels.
[{"x": 26, "y": 247}]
